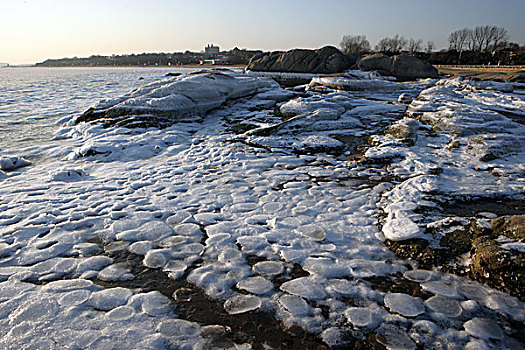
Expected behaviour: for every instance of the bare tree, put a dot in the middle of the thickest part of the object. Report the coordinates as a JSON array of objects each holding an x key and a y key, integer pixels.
[
  {"x": 430, "y": 47},
  {"x": 499, "y": 38},
  {"x": 391, "y": 45},
  {"x": 459, "y": 40},
  {"x": 355, "y": 44},
  {"x": 414, "y": 45}
]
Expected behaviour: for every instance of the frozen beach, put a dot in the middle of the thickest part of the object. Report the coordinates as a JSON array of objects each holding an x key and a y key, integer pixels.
[{"x": 220, "y": 210}]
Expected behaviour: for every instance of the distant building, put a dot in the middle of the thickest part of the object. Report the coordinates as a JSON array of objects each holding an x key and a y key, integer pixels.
[
  {"x": 4, "y": 64},
  {"x": 211, "y": 50}
]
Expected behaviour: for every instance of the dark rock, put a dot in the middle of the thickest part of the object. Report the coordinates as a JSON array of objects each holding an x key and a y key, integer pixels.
[
  {"x": 510, "y": 226},
  {"x": 403, "y": 67},
  {"x": 498, "y": 267},
  {"x": 322, "y": 61}
]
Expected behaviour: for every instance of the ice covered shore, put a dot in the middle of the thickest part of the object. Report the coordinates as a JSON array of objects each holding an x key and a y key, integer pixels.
[{"x": 289, "y": 217}]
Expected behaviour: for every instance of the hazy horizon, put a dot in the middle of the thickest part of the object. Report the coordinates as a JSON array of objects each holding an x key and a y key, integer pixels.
[{"x": 34, "y": 30}]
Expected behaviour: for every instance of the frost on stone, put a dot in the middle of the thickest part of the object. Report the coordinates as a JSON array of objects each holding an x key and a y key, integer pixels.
[
  {"x": 404, "y": 304},
  {"x": 304, "y": 287},
  {"x": 269, "y": 268},
  {"x": 242, "y": 303},
  {"x": 484, "y": 328},
  {"x": 361, "y": 317},
  {"x": 313, "y": 232},
  {"x": 255, "y": 285},
  {"x": 444, "y": 305}
]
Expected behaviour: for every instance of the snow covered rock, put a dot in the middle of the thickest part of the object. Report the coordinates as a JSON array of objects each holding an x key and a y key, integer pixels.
[
  {"x": 181, "y": 99},
  {"x": 12, "y": 163}
]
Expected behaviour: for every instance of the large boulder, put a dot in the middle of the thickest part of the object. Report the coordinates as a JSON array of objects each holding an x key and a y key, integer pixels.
[
  {"x": 403, "y": 67},
  {"x": 180, "y": 99},
  {"x": 322, "y": 61}
]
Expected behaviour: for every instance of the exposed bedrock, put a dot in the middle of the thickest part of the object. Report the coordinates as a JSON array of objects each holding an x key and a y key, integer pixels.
[
  {"x": 403, "y": 67},
  {"x": 322, "y": 61}
]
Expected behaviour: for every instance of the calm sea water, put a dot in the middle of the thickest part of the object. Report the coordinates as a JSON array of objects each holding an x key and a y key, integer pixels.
[{"x": 33, "y": 99}]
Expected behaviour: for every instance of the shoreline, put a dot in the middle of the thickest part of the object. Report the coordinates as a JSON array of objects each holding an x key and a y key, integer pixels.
[{"x": 146, "y": 67}]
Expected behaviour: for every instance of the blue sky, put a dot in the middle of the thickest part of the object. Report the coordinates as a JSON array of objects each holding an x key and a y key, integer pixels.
[{"x": 33, "y": 30}]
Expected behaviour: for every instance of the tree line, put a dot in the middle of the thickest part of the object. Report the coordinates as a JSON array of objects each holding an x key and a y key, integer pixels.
[{"x": 479, "y": 45}]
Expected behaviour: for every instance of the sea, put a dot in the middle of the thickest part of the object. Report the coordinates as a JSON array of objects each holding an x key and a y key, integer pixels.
[{"x": 33, "y": 99}]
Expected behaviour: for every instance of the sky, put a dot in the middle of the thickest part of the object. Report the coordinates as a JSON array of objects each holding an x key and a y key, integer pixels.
[{"x": 34, "y": 30}]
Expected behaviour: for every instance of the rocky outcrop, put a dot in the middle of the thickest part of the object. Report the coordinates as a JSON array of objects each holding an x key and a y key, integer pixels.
[
  {"x": 322, "y": 61},
  {"x": 403, "y": 67},
  {"x": 181, "y": 99}
]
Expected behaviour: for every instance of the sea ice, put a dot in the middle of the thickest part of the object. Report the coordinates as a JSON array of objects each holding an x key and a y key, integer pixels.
[
  {"x": 399, "y": 229},
  {"x": 156, "y": 258},
  {"x": 394, "y": 338},
  {"x": 178, "y": 328},
  {"x": 121, "y": 313},
  {"x": 296, "y": 305},
  {"x": 361, "y": 317},
  {"x": 404, "y": 304},
  {"x": 256, "y": 285},
  {"x": 108, "y": 299},
  {"x": 115, "y": 272},
  {"x": 484, "y": 328},
  {"x": 418, "y": 275},
  {"x": 313, "y": 232},
  {"x": 242, "y": 303},
  {"x": 269, "y": 268},
  {"x": 74, "y": 298},
  {"x": 305, "y": 287},
  {"x": 444, "y": 305},
  {"x": 442, "y": 287}
]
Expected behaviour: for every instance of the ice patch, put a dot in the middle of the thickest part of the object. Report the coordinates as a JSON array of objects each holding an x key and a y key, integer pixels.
[
  {"x": 110, "y": 298},
  {"x": 269, "y": 268},
  {"x": 305, "y": 287},
  {"x": 361, "y": 317},
  {"x": 483, "y": 328},
  {"x": 296, "y": 305},
  {"x": 256, "y": 285},
  {"x": 242, "y": 303},
  {"x": 404, "y": 304},
  {"x": 444, "y": 305}
]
